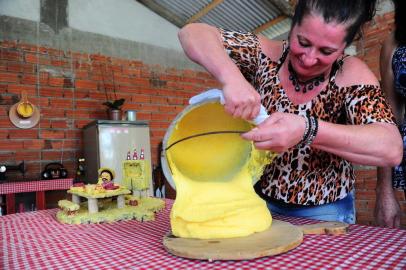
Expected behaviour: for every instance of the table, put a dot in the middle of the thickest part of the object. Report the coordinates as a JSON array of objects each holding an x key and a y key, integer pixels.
[
  {"x": 39, "y": 187},
  {"x": 92, "y": 198},
  {"x": 35, "y": 240}
]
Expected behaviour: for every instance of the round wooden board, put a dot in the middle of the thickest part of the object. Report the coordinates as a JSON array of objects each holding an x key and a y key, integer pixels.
[{"x": 279, "y": 238}]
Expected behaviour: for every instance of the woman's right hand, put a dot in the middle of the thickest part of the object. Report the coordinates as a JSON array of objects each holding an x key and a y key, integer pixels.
[
  {"x": 203, "y": 44},
  {"x": 241, "y": 99}
]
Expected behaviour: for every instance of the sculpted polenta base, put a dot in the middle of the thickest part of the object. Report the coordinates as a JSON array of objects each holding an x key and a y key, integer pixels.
[{"x": 214, "y": 176}]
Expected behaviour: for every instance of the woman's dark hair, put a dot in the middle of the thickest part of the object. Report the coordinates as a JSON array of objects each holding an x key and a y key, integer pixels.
[
  {"x": 400, "y": 21},
  {"x": 353, "y": 12}
]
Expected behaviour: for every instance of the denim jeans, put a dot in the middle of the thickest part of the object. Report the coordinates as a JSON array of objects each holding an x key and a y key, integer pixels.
[{"x": 342, "y": 210}]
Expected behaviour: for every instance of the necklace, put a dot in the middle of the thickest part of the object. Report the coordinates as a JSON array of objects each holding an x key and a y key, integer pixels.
[{"x": 305, "y": 85}]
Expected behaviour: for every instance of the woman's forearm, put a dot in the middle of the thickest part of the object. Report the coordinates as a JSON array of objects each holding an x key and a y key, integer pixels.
[
  {"x": 377, "y": 144},
  {"x": 202, "y": 44}
]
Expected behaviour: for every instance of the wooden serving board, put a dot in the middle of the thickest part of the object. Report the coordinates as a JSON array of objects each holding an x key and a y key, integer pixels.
[{"x": 279, "y": 238}]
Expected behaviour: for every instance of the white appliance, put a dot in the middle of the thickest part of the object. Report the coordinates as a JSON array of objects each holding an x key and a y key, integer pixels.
[{"x": 107, "y": 143}]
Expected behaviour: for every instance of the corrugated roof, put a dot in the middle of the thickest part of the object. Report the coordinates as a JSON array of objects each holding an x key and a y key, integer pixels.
[{"x": 267, "y": 17}]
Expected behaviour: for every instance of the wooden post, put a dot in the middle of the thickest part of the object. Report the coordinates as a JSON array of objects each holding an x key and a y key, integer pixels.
[
  {"x": 10, "y": 203},
  {"x": 40, "y": 200}
]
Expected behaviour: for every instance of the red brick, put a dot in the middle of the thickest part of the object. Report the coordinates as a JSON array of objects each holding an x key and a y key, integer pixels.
[
  {"x": 21, "y": 67},
  {"x": 3, "y": 66},
  {"x": 78, "y": 114},
  {"x": 18, "y": 88},
  {"x": 28, "y": 155},
  {"x": 44, "y": 122},
  {"x": 88, "y": 104},
  {"x": 69, "y": 93},
  {"x": 99, "y": 57},
  {"x": 141, "y": 82},
  {"x": 10, "y": 55},
  {"x": 59, "y": 124},
  {"x": 101, "y": 114},
  {"x": 159, "y": 124},
  {"x": 47, "y": 112},
  {"x": 11, "y": 145},
  {"x": 65, "y": 144},
  {"x": 33, "y": 144},
  {"x": 119, "y": 80},
  {"x": 60, "y": 63},
  {"x": 131, "y": 72},
  {"x": 365, "y": 194},
  {"x": 56, "y": 81},
  {"x": 73, "y": 134},
  {"x": 204, "y": 75},
  {"x": 87, "y": 84},
  {"x": 37, "y": 59},
  {"x": 29, "y": 79},
  {"x": 6, "y": 123},
  {"x": 176, "y": 101},
  {"x": 51, "y": 91},
  {"x": 141, "y": 98},
  {"x": 193, "y": 80},
  {"x": 53, "y": 155},
  {"x": 61, "y": 103},
  {"x": 7, "y": 44},
  {"x": 81, "y": 123},
  {"x": 7, "y": 156},
  {"x": 144, "y": 116},
  {"x": 8, "y": 77},
  {"x": 52, "y": 134},
  {"x": 23, "y": 134},
  {"x": 81, "y": 74},
  {"x": 99, "y": 95},
  {"x": 365, "y": 173},
  {"x": 4, "y": 134}
]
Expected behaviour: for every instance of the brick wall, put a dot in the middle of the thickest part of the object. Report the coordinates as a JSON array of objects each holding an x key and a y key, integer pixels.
[{"x": 70, "y": 88}]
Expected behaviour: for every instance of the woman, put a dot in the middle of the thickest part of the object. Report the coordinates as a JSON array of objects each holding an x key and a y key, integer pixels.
[
  {"x": 310, "y": 90},
  {"x": 393, "y": 74}
]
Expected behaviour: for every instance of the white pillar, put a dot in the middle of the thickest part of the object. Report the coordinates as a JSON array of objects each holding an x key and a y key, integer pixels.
[
  {"x": 92, "y": 205},
  {"x": 75, "y": 199},
  {"x": 120, "y": 201}
]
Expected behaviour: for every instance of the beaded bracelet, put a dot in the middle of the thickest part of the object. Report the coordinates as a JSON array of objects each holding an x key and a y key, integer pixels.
[
  {"x": 311, "y": 129},
  {"x": 314, "y": 129}
]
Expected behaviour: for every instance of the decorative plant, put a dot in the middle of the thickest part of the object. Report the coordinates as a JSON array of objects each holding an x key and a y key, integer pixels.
[{"x": 115, "y": 104}]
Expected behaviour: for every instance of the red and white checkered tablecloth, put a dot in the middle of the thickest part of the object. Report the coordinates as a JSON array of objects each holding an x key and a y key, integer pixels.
[
  {"x": 35, "y": 240},
  {"x": 32, "y": 186}
]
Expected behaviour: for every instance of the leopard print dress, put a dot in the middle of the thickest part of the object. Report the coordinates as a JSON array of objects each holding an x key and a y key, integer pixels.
[{"x": 304, "y": 175}]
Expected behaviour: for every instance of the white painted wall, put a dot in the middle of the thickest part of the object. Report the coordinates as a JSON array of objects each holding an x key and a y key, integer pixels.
[
  {"x": 126, "y": 19},
  {"x": 24, "y": 9}
]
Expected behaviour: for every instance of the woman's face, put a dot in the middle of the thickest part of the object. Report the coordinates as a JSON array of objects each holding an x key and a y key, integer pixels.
[{"x": 315, "y": 45}]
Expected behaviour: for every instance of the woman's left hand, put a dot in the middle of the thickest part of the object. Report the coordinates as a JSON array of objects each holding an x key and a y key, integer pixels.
[{"x": 277, "y": 133}]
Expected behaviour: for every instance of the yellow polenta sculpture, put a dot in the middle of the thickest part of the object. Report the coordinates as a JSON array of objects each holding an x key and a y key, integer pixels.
[{"x": 213, "y": 170}]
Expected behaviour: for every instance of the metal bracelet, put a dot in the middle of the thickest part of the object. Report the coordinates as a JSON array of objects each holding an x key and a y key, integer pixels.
[
  {"x": 306, "y": 133},
  {"x": 314, "y": 129},
  {"x": 310, "y": 131}
]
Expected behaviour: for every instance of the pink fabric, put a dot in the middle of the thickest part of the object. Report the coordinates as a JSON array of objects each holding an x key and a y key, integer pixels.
[
  {"x": 35, "y": 240},
  {"x": 32, "y": 186}
]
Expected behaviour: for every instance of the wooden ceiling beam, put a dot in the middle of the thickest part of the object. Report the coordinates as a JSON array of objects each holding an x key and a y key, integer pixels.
[
  {"x": 268, "y": 24},
  {"x": 204, "y": 11}
]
